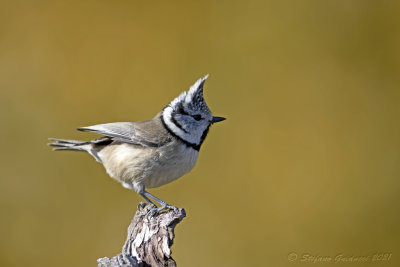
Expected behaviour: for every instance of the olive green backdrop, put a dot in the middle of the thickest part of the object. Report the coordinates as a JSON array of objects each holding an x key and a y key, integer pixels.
[{"x": 307, "y": 163}]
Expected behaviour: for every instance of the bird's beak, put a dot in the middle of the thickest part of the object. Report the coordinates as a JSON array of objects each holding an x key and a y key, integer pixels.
[{"x": 217, "y": 119}]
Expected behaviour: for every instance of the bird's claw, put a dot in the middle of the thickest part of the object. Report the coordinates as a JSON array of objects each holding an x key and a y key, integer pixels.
[
  {"x": 170, "y": 207},
  {"x": 154, "y": 211}
]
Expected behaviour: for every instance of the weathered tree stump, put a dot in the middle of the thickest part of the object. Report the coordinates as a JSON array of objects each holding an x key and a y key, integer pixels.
[{"x": 150, "y": 236}]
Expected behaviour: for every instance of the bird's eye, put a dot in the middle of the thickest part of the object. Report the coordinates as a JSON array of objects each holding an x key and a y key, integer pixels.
[{"x": 197, "y": 117}]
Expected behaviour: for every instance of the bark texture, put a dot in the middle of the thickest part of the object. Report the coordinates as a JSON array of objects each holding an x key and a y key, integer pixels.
[{"x": 149, "y": 241}]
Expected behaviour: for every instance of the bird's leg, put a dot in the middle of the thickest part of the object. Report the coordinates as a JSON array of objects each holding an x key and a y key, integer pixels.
[
  {"x": 140, "y": 191},
  {"x": 159, "y": 201},
  {"x": 146, "y": 198}
]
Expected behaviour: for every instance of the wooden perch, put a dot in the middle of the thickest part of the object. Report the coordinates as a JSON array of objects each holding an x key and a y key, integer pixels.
[{"x": 150, "y": 236}]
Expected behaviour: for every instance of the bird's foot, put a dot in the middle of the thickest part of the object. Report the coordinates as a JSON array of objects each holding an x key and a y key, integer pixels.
[
  {"x": 154, "y": 211},
  {"x": 168, "y": 207}
]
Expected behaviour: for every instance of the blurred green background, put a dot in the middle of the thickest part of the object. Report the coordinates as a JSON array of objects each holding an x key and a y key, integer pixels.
[{"x": 308, "y": 161}]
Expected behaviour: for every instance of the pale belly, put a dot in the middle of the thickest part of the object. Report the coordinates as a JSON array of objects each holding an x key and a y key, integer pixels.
[{"x": 148, "y": 167}]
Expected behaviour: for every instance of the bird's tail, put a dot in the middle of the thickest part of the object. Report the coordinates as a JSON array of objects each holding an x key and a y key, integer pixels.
[
  {"x": 92, "y": 146},
  {"x": 62, "y": 144}
]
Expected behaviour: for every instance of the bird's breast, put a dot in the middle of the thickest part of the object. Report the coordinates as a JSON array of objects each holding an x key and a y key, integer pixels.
[
  {"x": 170, "y": 163},
  {"x": 152, "y": 167}
]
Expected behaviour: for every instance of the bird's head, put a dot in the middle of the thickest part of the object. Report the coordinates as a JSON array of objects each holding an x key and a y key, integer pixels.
[{"x": 188, "y": 116}]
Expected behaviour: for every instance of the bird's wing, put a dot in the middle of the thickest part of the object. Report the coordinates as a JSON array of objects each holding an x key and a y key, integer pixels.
[{"x": 145, "y": 133}]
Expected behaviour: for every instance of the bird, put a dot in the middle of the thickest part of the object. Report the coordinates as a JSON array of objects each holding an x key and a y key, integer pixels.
[{"x": 151, "y": 153}]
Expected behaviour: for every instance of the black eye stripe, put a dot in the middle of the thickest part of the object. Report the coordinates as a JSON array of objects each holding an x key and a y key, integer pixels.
[
  {"x": 177, "y": 124},
  {"x": 181, "y": 110}
]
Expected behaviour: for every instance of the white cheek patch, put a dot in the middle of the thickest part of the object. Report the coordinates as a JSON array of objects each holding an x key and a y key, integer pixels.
[{"x": 192, "y": 138}]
